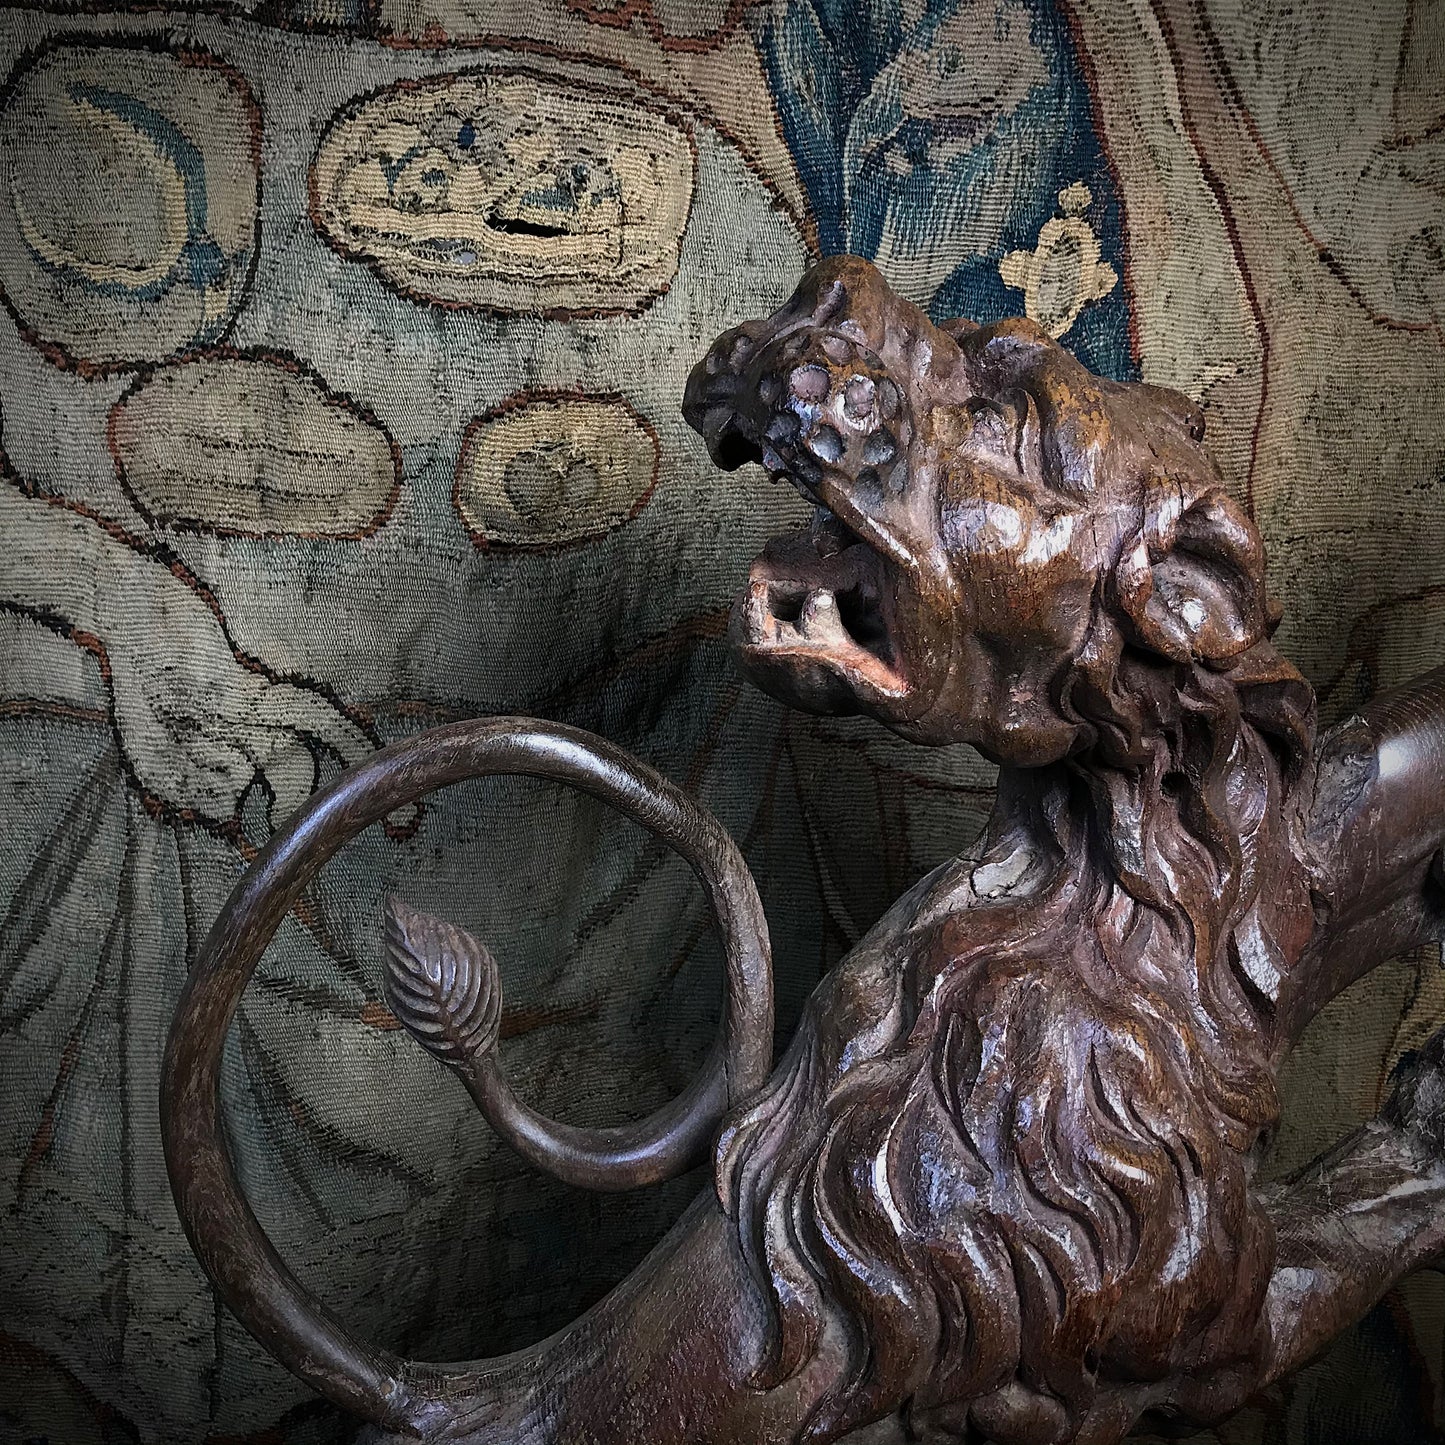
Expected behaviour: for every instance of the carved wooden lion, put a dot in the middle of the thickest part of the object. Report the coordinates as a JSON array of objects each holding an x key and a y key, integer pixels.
[{"x": 1000, "y": 1187}]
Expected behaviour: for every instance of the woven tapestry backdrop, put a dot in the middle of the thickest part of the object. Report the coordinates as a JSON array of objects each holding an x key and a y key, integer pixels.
[{"x": 340, "y": 364}]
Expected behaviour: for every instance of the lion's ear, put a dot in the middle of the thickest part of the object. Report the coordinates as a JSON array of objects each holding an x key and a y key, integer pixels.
[{"x": 1192, "y": 585}]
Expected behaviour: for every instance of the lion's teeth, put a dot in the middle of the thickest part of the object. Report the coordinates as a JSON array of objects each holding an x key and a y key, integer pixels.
[
  {"x": 819, "y": 615},
  {"x": 757, "y": 615}
]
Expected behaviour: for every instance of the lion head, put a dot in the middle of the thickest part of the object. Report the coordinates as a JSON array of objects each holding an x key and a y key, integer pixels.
[
  {"x": 1013, "y": 1178},
  {"x": 994, "y": 523}
]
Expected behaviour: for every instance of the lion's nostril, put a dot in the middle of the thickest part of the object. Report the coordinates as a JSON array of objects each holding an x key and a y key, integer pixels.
[
  {"x": 730, "y": 449},
  {"x": 826, "y": 444},
  {"x": 810, "y": 383},
  {"x": 858, "y": 397},
  {"x": 719, "y": 389}
]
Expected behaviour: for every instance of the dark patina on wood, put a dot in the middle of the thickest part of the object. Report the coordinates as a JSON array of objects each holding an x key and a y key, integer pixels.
[{"x": 1001, "y": 1185}]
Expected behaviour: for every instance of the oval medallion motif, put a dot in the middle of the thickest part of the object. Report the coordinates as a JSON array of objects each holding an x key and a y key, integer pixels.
[
  {"x": 128, "y": 202},
  {"x": 252, "y": 446},
  {"x": 543, "y": 472},
  {"x": 509, "y": 191}
]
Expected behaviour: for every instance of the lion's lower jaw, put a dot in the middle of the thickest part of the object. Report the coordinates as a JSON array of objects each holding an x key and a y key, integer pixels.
[{"x": 812, "y": 628}]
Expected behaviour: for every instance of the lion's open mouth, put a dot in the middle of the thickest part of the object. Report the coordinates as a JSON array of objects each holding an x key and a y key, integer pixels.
[
  {"x": 819, "y": 596},
  {"x": 815, "y": 405}
]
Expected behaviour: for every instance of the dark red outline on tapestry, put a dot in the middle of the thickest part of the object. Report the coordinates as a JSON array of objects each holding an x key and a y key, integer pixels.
[
  {"x": 351, "y": 108},
  {"x": 434, "y": 40},
  {"x": 282, "y": 361},
  {"x": 157, "y": 551},
  {"x": 191, "y": 56},
  {"x": 622, "y": 17}
]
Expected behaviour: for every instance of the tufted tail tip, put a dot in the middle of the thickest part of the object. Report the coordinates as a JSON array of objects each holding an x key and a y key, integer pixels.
[{"x": 441, "y": 983}]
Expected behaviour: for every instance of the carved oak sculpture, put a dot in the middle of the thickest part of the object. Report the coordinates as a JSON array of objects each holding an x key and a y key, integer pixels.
[{"x": 1000, "y": 1186}]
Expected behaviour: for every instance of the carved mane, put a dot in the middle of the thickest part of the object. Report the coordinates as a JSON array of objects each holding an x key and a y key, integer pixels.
[{"x": 1055, "y": 1111}]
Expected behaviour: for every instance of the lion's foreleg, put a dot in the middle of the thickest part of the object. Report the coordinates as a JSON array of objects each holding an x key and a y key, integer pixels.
[
  {"x": 1359, "y": 1218},
  {"x": 1348, "y": 1227}
]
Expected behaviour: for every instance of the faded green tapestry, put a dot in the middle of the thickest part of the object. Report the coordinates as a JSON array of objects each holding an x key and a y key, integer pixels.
[{"x": 340, "y": 365}]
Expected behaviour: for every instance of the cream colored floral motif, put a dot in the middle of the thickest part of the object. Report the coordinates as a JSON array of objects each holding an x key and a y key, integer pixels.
[{"x": 1063, "y": 272}]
